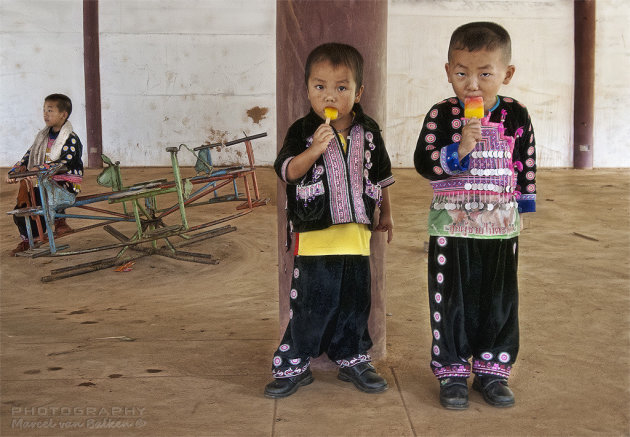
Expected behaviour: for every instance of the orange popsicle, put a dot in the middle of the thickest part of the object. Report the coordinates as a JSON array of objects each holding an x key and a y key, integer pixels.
[
  {"x": 473, "y": 107},
  {"x": 330, "y": 113}
]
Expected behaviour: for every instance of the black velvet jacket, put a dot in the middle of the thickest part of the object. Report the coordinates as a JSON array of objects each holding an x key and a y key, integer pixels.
[{"x": 341, "y": 187}]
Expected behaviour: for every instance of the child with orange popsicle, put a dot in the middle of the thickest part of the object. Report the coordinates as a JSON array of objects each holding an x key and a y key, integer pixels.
[
  {"x": 478, "y": 151},
  {"x": 337, "y": 171}
]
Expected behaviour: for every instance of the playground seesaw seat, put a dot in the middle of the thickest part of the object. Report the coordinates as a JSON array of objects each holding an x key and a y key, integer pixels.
[{"x": 140, "y": 206}]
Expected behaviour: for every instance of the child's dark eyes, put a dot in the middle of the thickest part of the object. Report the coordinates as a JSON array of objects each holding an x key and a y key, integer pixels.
[{"x": 342, "y": 88}]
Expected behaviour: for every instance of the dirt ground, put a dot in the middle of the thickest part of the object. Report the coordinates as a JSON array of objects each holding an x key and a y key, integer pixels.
[{"x": 176, "y": 348}]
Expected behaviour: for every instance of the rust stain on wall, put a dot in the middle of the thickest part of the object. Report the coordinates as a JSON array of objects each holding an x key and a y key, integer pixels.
[
  {"x": 217, "y": 136},
  {"x": 257, "y": 113}
]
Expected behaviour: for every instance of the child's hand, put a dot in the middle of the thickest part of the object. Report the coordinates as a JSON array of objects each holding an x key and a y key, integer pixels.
[
  {"x": 471, "y": 135},
  {"x": 386, "y": 224},
  {"x": 321, "y": 138}
]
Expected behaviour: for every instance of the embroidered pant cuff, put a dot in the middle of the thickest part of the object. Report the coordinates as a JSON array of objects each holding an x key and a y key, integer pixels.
[
  {"x": 289, "y": 372},
  {"x": 482, "y": 367},
  {"x": 351, "y": 362},
  {"x": 451, "y": 371}
]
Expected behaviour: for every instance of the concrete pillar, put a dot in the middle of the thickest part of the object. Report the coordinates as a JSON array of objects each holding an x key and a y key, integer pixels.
[
  {"x": 584, "y": 100},
  {"x": 92, "y": 75},
  {"x": 301, "y": 26}
]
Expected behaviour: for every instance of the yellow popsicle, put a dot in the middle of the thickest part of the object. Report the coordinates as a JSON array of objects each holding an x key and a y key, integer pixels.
[
  {"x": 473, "y": 107},
  {"x": 330, "y": 113}
]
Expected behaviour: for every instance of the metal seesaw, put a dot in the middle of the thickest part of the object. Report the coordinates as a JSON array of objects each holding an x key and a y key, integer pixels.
[{"x": 149, "y": 220}]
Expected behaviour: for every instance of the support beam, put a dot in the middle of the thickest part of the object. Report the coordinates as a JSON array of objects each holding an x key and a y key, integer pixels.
[
  {"x": 91, "y": 70},
  {"x": 301, "y": 26},
  {"x": 584, "y": 97}
]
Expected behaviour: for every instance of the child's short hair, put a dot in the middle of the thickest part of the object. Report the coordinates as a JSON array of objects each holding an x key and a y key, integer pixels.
[
  {"x": 62, "y": 101},
  {"x": 481, "y": 35},
  {"x": 337, "y": 54}
]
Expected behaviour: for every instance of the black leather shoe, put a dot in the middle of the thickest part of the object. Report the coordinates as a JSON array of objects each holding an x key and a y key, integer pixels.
[
  {"x": 495, "y": 390},
  {"x": 283, "y": 387},
  {"x": 454, "y": 393},
  {"x": 364, "y": 377}
]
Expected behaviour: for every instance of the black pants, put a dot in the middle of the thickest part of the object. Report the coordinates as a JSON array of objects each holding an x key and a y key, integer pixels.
[
  {"x": 329, "y": 310},
  {"x": 21, "y": 221},
  {"x": 473, "y": 298}
]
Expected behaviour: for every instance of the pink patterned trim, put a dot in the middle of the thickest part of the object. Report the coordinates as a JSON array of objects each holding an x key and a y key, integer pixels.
[
  {"x": 387, "y": 182},
  {"x": 283, "y": 170},
  {"x": 452, "y": 371},
  {"x": 491, "y": 368},
  {"x": 291, "y": 371},
  {"x": 355, "y": 168},
  {"x": 361, "y": 358},
  {"x": 337, "y": 184}
]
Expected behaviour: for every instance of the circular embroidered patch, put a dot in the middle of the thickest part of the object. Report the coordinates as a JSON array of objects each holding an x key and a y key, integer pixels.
[
  {"x": 435, "y": 155},
  {"x": 456, "y": 138},
  {"x": 277, "y": 361},
  {"x": 453, "y": 100},
  {"x": 442, "y": 241},
  {"x": 504, "y": 357},
  {"x": 430, "y": 138},
  {"x": 441, "y": 259},
  {"x": 295, "y": 361},
  {"x": 435, "y": 364},
  {"x": 436, "y": 334},
  {"x": 436, "y": 316},
  {"x": 530, "y": 175},
  {"x": 487, "y": 356},
  {"x": 440, "y": 278},
  {"x": 284, "y": 347},
  {"x": 456, "y": 123},
  {"x": 74, "y": 141},
  {"x": 369, "y": 136},
  {"x": 296, "y": 273},
  {"x": 529, "y": 162},
  {"x": 436, "y": 350},
  {"x": 438, "y": 297},
  {"x": 432, "y": 125},
  {"x": 430, "y": 147},
  {"x": 433, "y": 113},
  {"x": 455, "y": 110},
  {"x": 293, "y": 293},
  {"x": 531, "y": 188},
  {"x": 438, "y": 170},
  {"x": 530, "y": 151}
]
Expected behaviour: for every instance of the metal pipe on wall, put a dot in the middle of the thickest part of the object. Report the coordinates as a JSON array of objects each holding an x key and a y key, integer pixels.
[
  {"x": 584, "y": 97},
  {"x": 91, "y": 71}
]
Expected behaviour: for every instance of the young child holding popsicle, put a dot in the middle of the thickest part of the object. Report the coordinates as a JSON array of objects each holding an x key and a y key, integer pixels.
[
  {"x": 337, "y": 171},
  {"x": 478, "y": 151}
]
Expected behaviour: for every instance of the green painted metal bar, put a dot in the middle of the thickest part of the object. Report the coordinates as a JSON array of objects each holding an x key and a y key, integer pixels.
[{"x": 178, "y": 184}]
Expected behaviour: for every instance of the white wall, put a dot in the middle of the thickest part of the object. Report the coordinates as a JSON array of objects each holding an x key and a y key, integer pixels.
[
  {"x": 41, "y": 52},
  {"x": 612, "y": 85},
  {"x": 187, "y": 71},
  {"x": 542, "y": 51}
]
